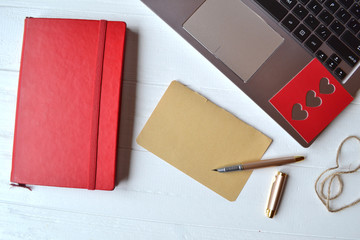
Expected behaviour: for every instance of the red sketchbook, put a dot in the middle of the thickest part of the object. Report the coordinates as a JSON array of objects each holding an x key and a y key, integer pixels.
[{"x": 68, "y": 103}]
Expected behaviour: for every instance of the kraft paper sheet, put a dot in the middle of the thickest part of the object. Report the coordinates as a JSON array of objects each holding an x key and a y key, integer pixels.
[{"x": 196, "y": 136}]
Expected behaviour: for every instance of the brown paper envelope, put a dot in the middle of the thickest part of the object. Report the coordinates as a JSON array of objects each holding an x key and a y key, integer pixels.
[{"x": 196, "y": 136}]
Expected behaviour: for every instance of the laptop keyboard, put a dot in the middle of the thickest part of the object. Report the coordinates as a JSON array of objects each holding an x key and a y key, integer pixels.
[{"x": 317, "y": 22}]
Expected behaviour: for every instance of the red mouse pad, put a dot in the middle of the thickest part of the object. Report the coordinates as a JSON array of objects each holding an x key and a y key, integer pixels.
[{"x": 311, "y": 100}]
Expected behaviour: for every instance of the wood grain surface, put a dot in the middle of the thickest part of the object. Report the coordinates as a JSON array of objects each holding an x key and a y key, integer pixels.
[{"x": 153, "y": 200}]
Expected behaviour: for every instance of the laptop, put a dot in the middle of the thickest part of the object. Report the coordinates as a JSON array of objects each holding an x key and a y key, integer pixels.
[{"x": 297, "y": 59}]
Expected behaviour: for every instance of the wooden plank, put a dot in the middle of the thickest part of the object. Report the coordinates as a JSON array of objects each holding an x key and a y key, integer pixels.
[
  {"x": 97, "y": 6},
  {"x": 23, "y": 222}
]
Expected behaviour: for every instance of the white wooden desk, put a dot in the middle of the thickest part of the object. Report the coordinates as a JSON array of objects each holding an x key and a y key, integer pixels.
[{"x": 153, "y": 200}]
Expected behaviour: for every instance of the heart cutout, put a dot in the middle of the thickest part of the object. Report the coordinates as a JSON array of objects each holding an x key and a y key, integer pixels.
[
  {"x": 326, "y": 87},
  {"x": 312, "y": 100},
  {"x": 298, "y": 113}
]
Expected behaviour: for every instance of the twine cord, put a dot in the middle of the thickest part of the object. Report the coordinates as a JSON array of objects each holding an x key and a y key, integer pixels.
[{"x": 326, "y": 198}]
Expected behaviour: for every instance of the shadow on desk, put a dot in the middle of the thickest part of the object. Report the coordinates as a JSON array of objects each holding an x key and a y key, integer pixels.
[{"x": 128, "y": 102}]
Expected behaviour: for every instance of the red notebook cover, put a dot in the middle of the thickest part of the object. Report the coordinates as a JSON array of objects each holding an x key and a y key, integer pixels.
[
  {"x": 68, "y": 103},
  {"x": 311, "y": 100}
]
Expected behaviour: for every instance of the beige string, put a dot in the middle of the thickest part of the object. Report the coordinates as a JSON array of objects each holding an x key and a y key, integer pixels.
[{"x": 325, "y": 199}]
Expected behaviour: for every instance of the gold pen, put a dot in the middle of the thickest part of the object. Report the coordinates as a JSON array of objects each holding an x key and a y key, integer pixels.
[
  {"x": 261, "y": 164},
  {"x": 276, "y": 191}
]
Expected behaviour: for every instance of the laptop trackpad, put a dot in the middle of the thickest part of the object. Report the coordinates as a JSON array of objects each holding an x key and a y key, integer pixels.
[{"x": 234, "y": 34}]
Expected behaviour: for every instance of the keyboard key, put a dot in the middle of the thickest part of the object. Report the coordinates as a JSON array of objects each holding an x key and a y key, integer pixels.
[
  {"x": 290, "y": 22},
  {"x": 343, "y": 15},
  {"x": 323, "y": 32},
  {"x": 342, "y": 50},
  {"x": 289, "y": 3},
  {"x": 332, "y": 5},
  {"x": 313, "y": 43},
  {"x": 350, "y": 40},
  {"x": 340, "y": 73},
  {"x": 300, "y": 11},
  {"x": 301, "y": 32},
  {"x": 304, "y": 1},
  {"x": 274, "y": 8},
  {"x": 311, "y": 22},
  {"x": 315, "y": 7},
  {"x": 346, "y": 3},
  {"x": 321, "y": 56},
  {"x": 355, "y": 10},
  {"x": 326, "y": 17},
  {"x": 331, "y": 64},
  {"x": 337, "y": 27},
  {"x": 353, "y": 25},
  {"x": 335, "y": 58}
]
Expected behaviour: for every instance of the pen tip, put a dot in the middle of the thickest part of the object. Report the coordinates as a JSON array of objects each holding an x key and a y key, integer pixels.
[
  {"x": 215, "y": 170},
  {"x": 299, "y": 158}
]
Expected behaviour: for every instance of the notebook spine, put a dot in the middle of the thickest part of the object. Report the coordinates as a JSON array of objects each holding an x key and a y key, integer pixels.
[{"x": 13, "y": 177}]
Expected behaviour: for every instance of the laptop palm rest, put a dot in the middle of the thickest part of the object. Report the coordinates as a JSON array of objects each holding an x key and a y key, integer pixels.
[{"x": 235, "y": 34}]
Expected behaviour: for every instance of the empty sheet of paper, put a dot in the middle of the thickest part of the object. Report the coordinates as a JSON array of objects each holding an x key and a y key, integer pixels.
[{"x": 196, "y": 136}]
